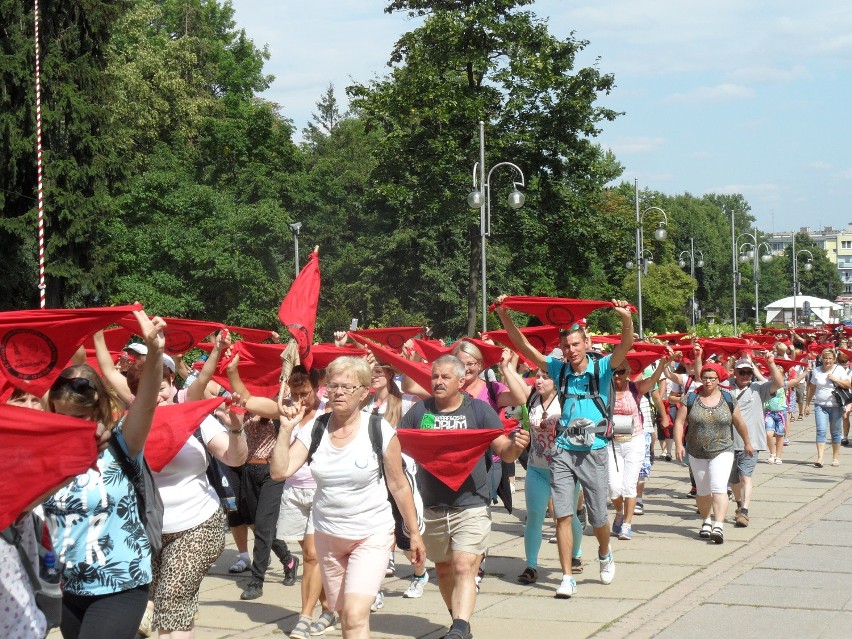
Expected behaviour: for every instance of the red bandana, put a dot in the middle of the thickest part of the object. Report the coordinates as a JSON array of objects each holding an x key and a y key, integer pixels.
[
  {"x": 450, "y": 455},
  {"x": 35, "y": 346},
  {"x": 542, "y": 338},
  {"x": 670, "y": 337},
  {"x": 181, "y": 334},
  {"x": 40, "y": 452},
  {"x": 172, "y": 426},
  {"x": 257, "y": 335},
  {"x": 115, "y": 339},
  {"x": 259, "y": 367},
  {"x": 298, "y": 311},
  {"x": 783, "y": 363},
  {"x": 432, "y": 349},
  {"x": 393, "y": 337},
  {"x": 555, "y": 311},
  {"x": 640, "y": 360},
  {"x": 325, "y": 354},
  {"x": 420, "y": 372}
]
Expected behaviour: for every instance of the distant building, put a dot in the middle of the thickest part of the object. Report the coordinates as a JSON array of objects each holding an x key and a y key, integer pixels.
[{"x": 838, "y": 247}]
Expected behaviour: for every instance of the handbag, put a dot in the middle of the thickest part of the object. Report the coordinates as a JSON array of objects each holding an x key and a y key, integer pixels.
[{"x": 842, "y": 396}]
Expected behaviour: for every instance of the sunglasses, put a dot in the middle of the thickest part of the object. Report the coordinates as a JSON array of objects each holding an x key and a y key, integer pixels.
[
  {"x": 745, "y": 372},
  {"x": 78, "y": 385},
  {"x": 620, "y": 371},
  {"x": 567, "y": 331}
]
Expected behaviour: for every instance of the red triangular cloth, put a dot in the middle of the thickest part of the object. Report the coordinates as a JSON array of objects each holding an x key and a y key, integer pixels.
[
  {"x": 542, "y": 338},
  {"x": 420, "y": 372},
  {"x": 40, "y": 452},
  {"x": 35, "y": 346},
  {"x": 174, "y": 424},
  {"x": 257, "y": 335},
  {"x": 181, "y": 334},
  {"x": 393, "y": 337},
  {"x": 556, "y": 311},
  {"x": 298, "y": 311},
  {"x": 449, "y": 455}
]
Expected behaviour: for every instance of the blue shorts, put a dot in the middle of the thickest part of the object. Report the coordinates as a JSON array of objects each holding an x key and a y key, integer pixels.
[{"x": 775, "y": 422}]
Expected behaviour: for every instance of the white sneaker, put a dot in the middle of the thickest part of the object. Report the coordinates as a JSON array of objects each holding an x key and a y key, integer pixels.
[
  {"x": 379, "y": 603},
  {"x": 607, "y": 568},
  {"x": 415, "y": 588},
  {"x": 567, "y": 588}
]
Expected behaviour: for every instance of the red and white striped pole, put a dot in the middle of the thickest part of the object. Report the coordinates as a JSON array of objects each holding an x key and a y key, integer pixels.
[{"x": 41, "y": 285}]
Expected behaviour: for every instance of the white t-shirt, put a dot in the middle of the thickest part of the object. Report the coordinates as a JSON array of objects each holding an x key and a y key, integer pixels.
[
  {"x": 188, "y": 498},
  {"x": 822, "y": 394},
  {"x": 303, "y": 478},
  {"x": 351, "y": 501}
]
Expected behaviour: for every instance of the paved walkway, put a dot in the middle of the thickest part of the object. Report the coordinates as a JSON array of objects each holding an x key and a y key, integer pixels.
[{"x": 788, "y": 572}]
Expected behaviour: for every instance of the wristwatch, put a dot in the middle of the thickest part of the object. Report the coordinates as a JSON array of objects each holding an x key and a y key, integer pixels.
[{"x": 236, "y": 431}]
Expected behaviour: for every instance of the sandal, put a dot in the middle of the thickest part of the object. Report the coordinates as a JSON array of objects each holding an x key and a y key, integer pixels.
[
  {"x": 705, "y": 531},
  {"x": 326, "y": 621},
  {"x": 240, "y": 565},
  {"x": 836, "y": 462},
  {"x": 529, "y": 576},
  {"x": 716, "y": 534},
  {"x": 302, "y": 629},
  {"x": 818, "y": 465}
]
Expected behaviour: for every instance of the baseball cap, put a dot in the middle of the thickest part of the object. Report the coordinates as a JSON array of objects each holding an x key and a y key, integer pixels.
[
  {"x": 137, "y": 347},
  {"x": 168, "y": 362},
  {"x": 556, "y": 353},
  {"x": 744, "y": 362}
]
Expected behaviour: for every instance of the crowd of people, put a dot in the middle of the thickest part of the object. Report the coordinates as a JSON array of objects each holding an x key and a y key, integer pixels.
[{"x": 355, "y": 460}]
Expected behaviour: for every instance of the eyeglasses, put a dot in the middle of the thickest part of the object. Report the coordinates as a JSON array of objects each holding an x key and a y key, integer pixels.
[
  {"x": 79, "y": 385},
  {"x": 301, "y": 395},
  {"x": 620, "y": 371},
  {"x": 346, "y": 389},
  {"x": 471, "y": 365},
  {"x": 709, "y": 379}
]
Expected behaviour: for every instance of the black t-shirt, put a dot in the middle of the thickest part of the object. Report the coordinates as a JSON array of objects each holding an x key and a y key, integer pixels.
[{"x": 473, "y": 413}]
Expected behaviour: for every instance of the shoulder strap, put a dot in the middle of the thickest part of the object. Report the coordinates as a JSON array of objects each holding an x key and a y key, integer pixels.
[
  {"x": 729, "y": 399},
  {"x": 595, "y": 391},
  {"x": 532, "y": 398},
  {"x": 690, "y": 400},
  {"x": 492, "y": 394},
  {"x": 132, "y": 474},
  {"x": 375, "y": 429},
  {"x": 320, "y": 424},
  {"x": 563, "y": 381},
  {"x": 13, "y": 538}
]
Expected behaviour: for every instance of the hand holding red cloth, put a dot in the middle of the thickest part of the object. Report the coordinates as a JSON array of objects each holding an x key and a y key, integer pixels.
[
  {"x": 556, "y": 311},
  {"x": 173, "y": 425},
  {"x": 41, "y": 451}
]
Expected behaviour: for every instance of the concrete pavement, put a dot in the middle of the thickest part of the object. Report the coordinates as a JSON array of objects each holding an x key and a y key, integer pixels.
[{"x": 789, "y": 571}]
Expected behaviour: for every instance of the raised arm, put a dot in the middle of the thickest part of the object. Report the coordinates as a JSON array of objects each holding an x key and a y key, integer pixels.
[
  {"x": 111, "y": 374},
  {"x": 221, "y": 344},
  {"x": 626, "y": 343},
  {"x": 521, "y": 343},
  {"x": 137, "y": 424},
  {"x": 286, "y": 458},
  {"x": 260, "y": 406},
  {"x": 647, "y": 385},
  {"x": 229, "y": 448},
  {"x": 519, "y": 390}
]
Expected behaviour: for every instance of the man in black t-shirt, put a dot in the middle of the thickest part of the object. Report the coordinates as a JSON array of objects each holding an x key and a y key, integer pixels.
[{"x": 458, "y": 521}]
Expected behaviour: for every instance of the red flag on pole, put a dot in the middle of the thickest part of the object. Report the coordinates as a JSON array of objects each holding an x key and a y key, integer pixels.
[
  {"x": 556, "y": 311},
  {"x": 298, "y": 311},
  {"x": 35, "y": 346},
  {"x": 40, "y": 452},
  {"x": 172, "y": 426},
  {"x": 449, "y": 455}
]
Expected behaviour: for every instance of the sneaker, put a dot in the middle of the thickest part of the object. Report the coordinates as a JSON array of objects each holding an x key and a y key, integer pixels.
[
  {"x": 302, "y": 630},
  {"x": 327, "y": 621},
  {"x": 787, "y": 439},
  {"x": 253, "y": 590},
  {"x": 741, "y": 520},
  {"x": 291, "y": 570},
  {"x": 844, "y": 442},
  {"x": 576, "y": 565},
  {"x": 639, "y": 508},
  {"x": 607, "y": 568},
  {"x": 240, "y": 565},
  {"x": 716, "y": 534},
  {"x": 529, "y": 576},
  {"x": 626, "y": 533},
  {"x": 693, "y": 492},
  {"x": 390, "y": 571},
  {"x": 668, "y": 457},
  {"x": 617, "y": 522},
  {"x": 552, "y": 540},
  {"x": 567, "y": 588},
  {"x": 379, "y": 603},
  {"x": 415, "y": 588}
]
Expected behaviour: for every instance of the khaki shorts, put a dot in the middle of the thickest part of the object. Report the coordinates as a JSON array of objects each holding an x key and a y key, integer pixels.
[
  {"x": 450, "y": 530},
  {"x": 294, "y": 516}
]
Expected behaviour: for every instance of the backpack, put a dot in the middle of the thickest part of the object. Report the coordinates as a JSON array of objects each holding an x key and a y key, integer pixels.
[
  {"x": 147, "y": 495},
  {"x": 217, "y": 475},
  {"x": 729, "y": 400},
  {"x": 606, "y": 409},
  {"x": 376, "y": 443}
]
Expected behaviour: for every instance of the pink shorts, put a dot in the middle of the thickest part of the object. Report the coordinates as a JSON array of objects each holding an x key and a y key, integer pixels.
[{"x": 352, "y": 565}]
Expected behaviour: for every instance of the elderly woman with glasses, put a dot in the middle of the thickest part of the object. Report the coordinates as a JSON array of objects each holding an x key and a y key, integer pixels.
[
  {"x": 827, "y": 412},
  {"x": 711, "y": 414},
  {"x": 351, "y": 513}
]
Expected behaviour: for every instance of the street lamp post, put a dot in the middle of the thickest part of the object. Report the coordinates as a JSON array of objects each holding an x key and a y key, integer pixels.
[
  {"x": 751, "y": 251},
  {"x": 295, "y": 227},
  {"x": 796, "y": 286},
  {"x": 659, "y": 235},
  {"x": 692, "y": 264},
  {"x": 480, "y": 198},
  {"x": 735, "y": 280}
]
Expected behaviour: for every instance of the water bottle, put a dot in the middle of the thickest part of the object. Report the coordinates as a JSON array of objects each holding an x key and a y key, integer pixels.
[
  {"x": 194, "y": 373},
  {"x": 49, "y": 597},
  {"x": 49, "y": 570}
]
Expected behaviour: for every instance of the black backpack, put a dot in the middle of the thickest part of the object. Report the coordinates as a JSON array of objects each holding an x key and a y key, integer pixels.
[
  {"x": 217, "y": 475},
  {"x": 147, "y": 496},
  {"x": 375, "y": 429}
]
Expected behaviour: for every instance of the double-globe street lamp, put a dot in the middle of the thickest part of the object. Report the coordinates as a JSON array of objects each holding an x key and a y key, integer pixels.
[
  {"x": 642, "y": 262},
  {"x": 796, "y": 284},
  {"x": 692, "y": 264},
  {"x": 480, "y": 198},
  {"x": 750, "y": 252}
]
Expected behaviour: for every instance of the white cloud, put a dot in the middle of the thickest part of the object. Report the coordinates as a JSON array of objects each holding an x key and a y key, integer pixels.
[
  {"x": 635, "y": 145},
  {"x": 819, "y": 166},
  {"x": 768, "y": 75},
  {"x": 766, "y": 188},
  {"x": 847, "y": 174},
  {"x": 718, "y": 93}
]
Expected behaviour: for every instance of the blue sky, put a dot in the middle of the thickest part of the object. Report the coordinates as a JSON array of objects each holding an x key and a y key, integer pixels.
[{"x": 725, "y": 96}]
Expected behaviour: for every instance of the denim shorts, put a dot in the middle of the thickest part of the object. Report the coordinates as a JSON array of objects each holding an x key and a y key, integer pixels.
[{"x": 775, "y": 422}]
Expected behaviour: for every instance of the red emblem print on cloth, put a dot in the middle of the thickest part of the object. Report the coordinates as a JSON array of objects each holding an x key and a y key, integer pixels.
[{"x": 28, "y": 354}]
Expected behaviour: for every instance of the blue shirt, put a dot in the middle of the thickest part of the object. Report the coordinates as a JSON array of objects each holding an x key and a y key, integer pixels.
[
  {"x": 578, "y": 384},
  {"x": 99, "y": 540}
]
